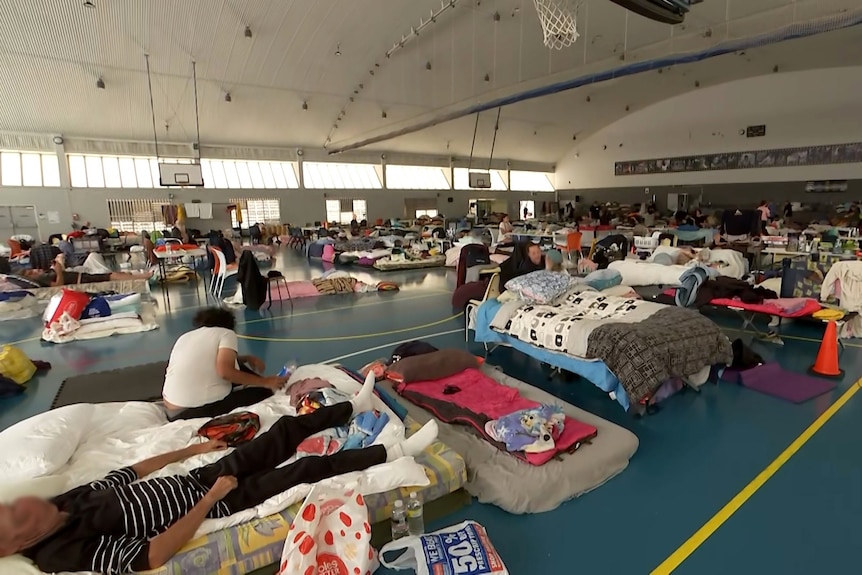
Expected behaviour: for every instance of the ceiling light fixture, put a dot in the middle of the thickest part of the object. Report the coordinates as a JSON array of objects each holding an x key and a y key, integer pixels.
[
  {"x": 338, "y": 49},
  {"x": 383, "y": 114},
  {"x": 89, "y": 4},
  {"x": 304, "y": 105},
  {"x": 227, "y": 97},
  {"x": 428, "y": 65},
  {"x": 487, "y": 77},
  {"x": 248, "y": 33},
  {"x": 100, "y": 84}
]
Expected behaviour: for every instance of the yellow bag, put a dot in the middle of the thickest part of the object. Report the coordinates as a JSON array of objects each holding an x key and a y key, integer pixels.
[{"x": 15, "y": 365}]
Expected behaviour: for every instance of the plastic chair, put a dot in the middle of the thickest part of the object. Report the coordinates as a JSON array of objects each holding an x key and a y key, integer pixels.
[
  {"x": 573, "y": 244},
  {"x": 220, "y": 272}
]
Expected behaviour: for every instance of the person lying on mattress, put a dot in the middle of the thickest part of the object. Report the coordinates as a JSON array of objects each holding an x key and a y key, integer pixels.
[
  {"x": 119, "y": 524},
  {"x": 57, "y": 276},
  {"x": 206, "y": 377}
]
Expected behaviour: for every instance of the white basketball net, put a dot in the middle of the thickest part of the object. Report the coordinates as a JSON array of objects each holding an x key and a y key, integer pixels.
[{"x": 559, "y": 22}]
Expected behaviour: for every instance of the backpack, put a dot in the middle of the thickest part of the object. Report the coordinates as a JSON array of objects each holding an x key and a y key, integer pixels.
[
  {"x": 471, "y": 255},
  {"x": 233, "y": 428}
]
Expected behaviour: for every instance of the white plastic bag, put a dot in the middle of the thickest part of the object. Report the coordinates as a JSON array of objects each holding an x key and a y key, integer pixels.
[
  {"x": 462, "y": 549},
  {"x": 331, "y": 535}
]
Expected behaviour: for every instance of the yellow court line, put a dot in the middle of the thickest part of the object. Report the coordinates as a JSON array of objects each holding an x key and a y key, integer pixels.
[
  {"x": 793, "y": 337},
  {"x": 711, "y": 526},
  {"x": 347, "y": 337}
]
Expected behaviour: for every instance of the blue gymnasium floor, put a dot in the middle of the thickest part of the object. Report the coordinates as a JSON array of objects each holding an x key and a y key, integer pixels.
[{"x": 695, "y": 455}]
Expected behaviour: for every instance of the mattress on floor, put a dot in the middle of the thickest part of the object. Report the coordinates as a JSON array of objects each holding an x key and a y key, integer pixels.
[
  {"x": 517, "y": 487},
  {"x": 256, "y": 544},
  {"x": 385, "y": 264}
]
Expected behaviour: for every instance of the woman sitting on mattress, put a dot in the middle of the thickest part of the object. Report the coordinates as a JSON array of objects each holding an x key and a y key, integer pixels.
[
  {"x": 206, "y": 377},
  {"x": 119, "y": 524}
]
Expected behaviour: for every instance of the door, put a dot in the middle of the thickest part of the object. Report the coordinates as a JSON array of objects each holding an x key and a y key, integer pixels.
[
  {"x": 24, "y": 221},
  {"x": 6, "y": 229}
]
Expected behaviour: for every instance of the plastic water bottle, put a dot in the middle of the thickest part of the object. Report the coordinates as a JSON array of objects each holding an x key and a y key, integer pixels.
[
  {"x": 288, "y": 369},
  {"x": 415, "y": 518},
  {"x": 399, "y": 521}
]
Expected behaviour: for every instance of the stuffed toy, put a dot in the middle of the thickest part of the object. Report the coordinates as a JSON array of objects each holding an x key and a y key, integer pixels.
[{"x": 532, "y": 430}]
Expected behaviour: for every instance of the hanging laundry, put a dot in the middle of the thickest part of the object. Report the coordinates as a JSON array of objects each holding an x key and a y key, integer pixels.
[
  {"x": 193, "y": 210},
  {"x": 205, "y": 211},
  {"x": 170, "y": 214}
]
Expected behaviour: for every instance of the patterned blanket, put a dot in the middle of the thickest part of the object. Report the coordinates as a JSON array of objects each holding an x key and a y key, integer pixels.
[{"x": 643, "y": 343}]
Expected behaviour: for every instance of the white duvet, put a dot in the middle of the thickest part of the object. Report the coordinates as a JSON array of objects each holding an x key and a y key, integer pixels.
[
  {"x": 728, "y": 263},
  {"x": 370, "y": 254},
  {"x": 105, "y": 437}
]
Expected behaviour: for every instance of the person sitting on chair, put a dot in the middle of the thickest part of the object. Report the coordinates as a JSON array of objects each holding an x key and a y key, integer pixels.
[
  {"x": 58, "y": 276},
  {"x": 120, "y": 524},
  {"x": 206, "y": 377}
]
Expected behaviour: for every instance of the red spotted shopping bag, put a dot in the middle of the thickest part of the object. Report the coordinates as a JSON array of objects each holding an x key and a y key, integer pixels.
[{"x": 331, "y": 535}]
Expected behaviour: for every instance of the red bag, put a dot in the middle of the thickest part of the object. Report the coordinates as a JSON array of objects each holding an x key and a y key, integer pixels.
[
  {"x": 69, "y": 301},
  {"x": 233, "y": 428}
]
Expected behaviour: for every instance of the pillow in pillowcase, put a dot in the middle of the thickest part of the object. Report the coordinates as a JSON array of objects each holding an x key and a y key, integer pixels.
[
  {"x": 431, "y": 366},
  {"x": 540, "y": 287},
  {"x": 43, "y": 443}
]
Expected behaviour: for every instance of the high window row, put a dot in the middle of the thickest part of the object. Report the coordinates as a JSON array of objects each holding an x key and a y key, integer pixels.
[{"x": 94, "y": 171}]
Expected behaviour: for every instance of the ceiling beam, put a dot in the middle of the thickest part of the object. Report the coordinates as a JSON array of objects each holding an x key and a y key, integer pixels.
[{"x": 790, "y": 32}]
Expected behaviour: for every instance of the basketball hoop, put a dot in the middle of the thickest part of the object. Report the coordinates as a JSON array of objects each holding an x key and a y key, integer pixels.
[{"x": 559, "y": 22}]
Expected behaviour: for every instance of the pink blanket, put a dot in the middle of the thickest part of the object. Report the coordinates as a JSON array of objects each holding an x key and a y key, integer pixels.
[{"x": 471, "y": 398}]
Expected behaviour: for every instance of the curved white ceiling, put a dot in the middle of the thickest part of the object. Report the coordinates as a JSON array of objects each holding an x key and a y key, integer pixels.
[
  {"x": 52, "y": 52},
  {"x": 799, "y": 108}
]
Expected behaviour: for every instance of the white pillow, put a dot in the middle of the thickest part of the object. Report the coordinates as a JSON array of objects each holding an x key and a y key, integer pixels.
[
  {"x": 45, "y": 487},
  {"x": 18, "y": 565},
  {"x": 43, "y": 443}
]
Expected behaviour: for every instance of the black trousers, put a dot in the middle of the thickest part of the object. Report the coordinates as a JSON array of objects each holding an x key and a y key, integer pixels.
[
  {"x": 254, "y": 463},
  {"x": 239, "y": 397}
]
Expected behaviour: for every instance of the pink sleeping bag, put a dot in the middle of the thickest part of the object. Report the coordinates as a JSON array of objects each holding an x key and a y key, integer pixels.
[
  {"x": 781, "y": 307},
  {"x": 472, "y": 398}
]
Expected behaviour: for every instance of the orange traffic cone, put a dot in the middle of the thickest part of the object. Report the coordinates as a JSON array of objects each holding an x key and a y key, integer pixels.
[{"x": 826, "y": 364}]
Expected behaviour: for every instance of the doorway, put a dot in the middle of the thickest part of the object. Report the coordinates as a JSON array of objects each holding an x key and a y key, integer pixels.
[
  {"x": 18, "y": 221},
  {"x": 526, "y": 209}
]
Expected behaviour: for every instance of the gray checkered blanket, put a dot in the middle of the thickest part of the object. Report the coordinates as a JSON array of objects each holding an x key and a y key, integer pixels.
[{"x": 673, "y": 342}]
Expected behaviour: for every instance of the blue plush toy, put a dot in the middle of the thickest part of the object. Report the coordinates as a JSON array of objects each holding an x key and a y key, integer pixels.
[{"x": 530, "y": 430}]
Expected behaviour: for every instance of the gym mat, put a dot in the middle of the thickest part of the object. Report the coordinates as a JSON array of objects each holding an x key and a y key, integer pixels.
[
  {"x": 136, "y": 383},
  {"x": 772, "y": 379}
]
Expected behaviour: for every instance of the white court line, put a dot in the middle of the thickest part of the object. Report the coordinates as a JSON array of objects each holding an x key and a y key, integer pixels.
[{"x": 385, "y": 345}]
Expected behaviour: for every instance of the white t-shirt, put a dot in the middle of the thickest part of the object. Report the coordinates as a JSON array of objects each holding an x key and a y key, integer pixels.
[{"x": 191, "y": 379}]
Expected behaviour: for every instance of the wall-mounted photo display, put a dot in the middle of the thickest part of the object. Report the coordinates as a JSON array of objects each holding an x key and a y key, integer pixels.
[{"x": 779, "y": 158}]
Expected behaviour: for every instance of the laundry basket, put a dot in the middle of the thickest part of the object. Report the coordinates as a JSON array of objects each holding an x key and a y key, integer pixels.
[{"x": 647, "y": 245}]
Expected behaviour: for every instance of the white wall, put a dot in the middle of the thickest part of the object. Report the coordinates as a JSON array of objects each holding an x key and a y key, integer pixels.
[
  {"x": 799, "y": 109},
  {"x": 297, "y": 206}
]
